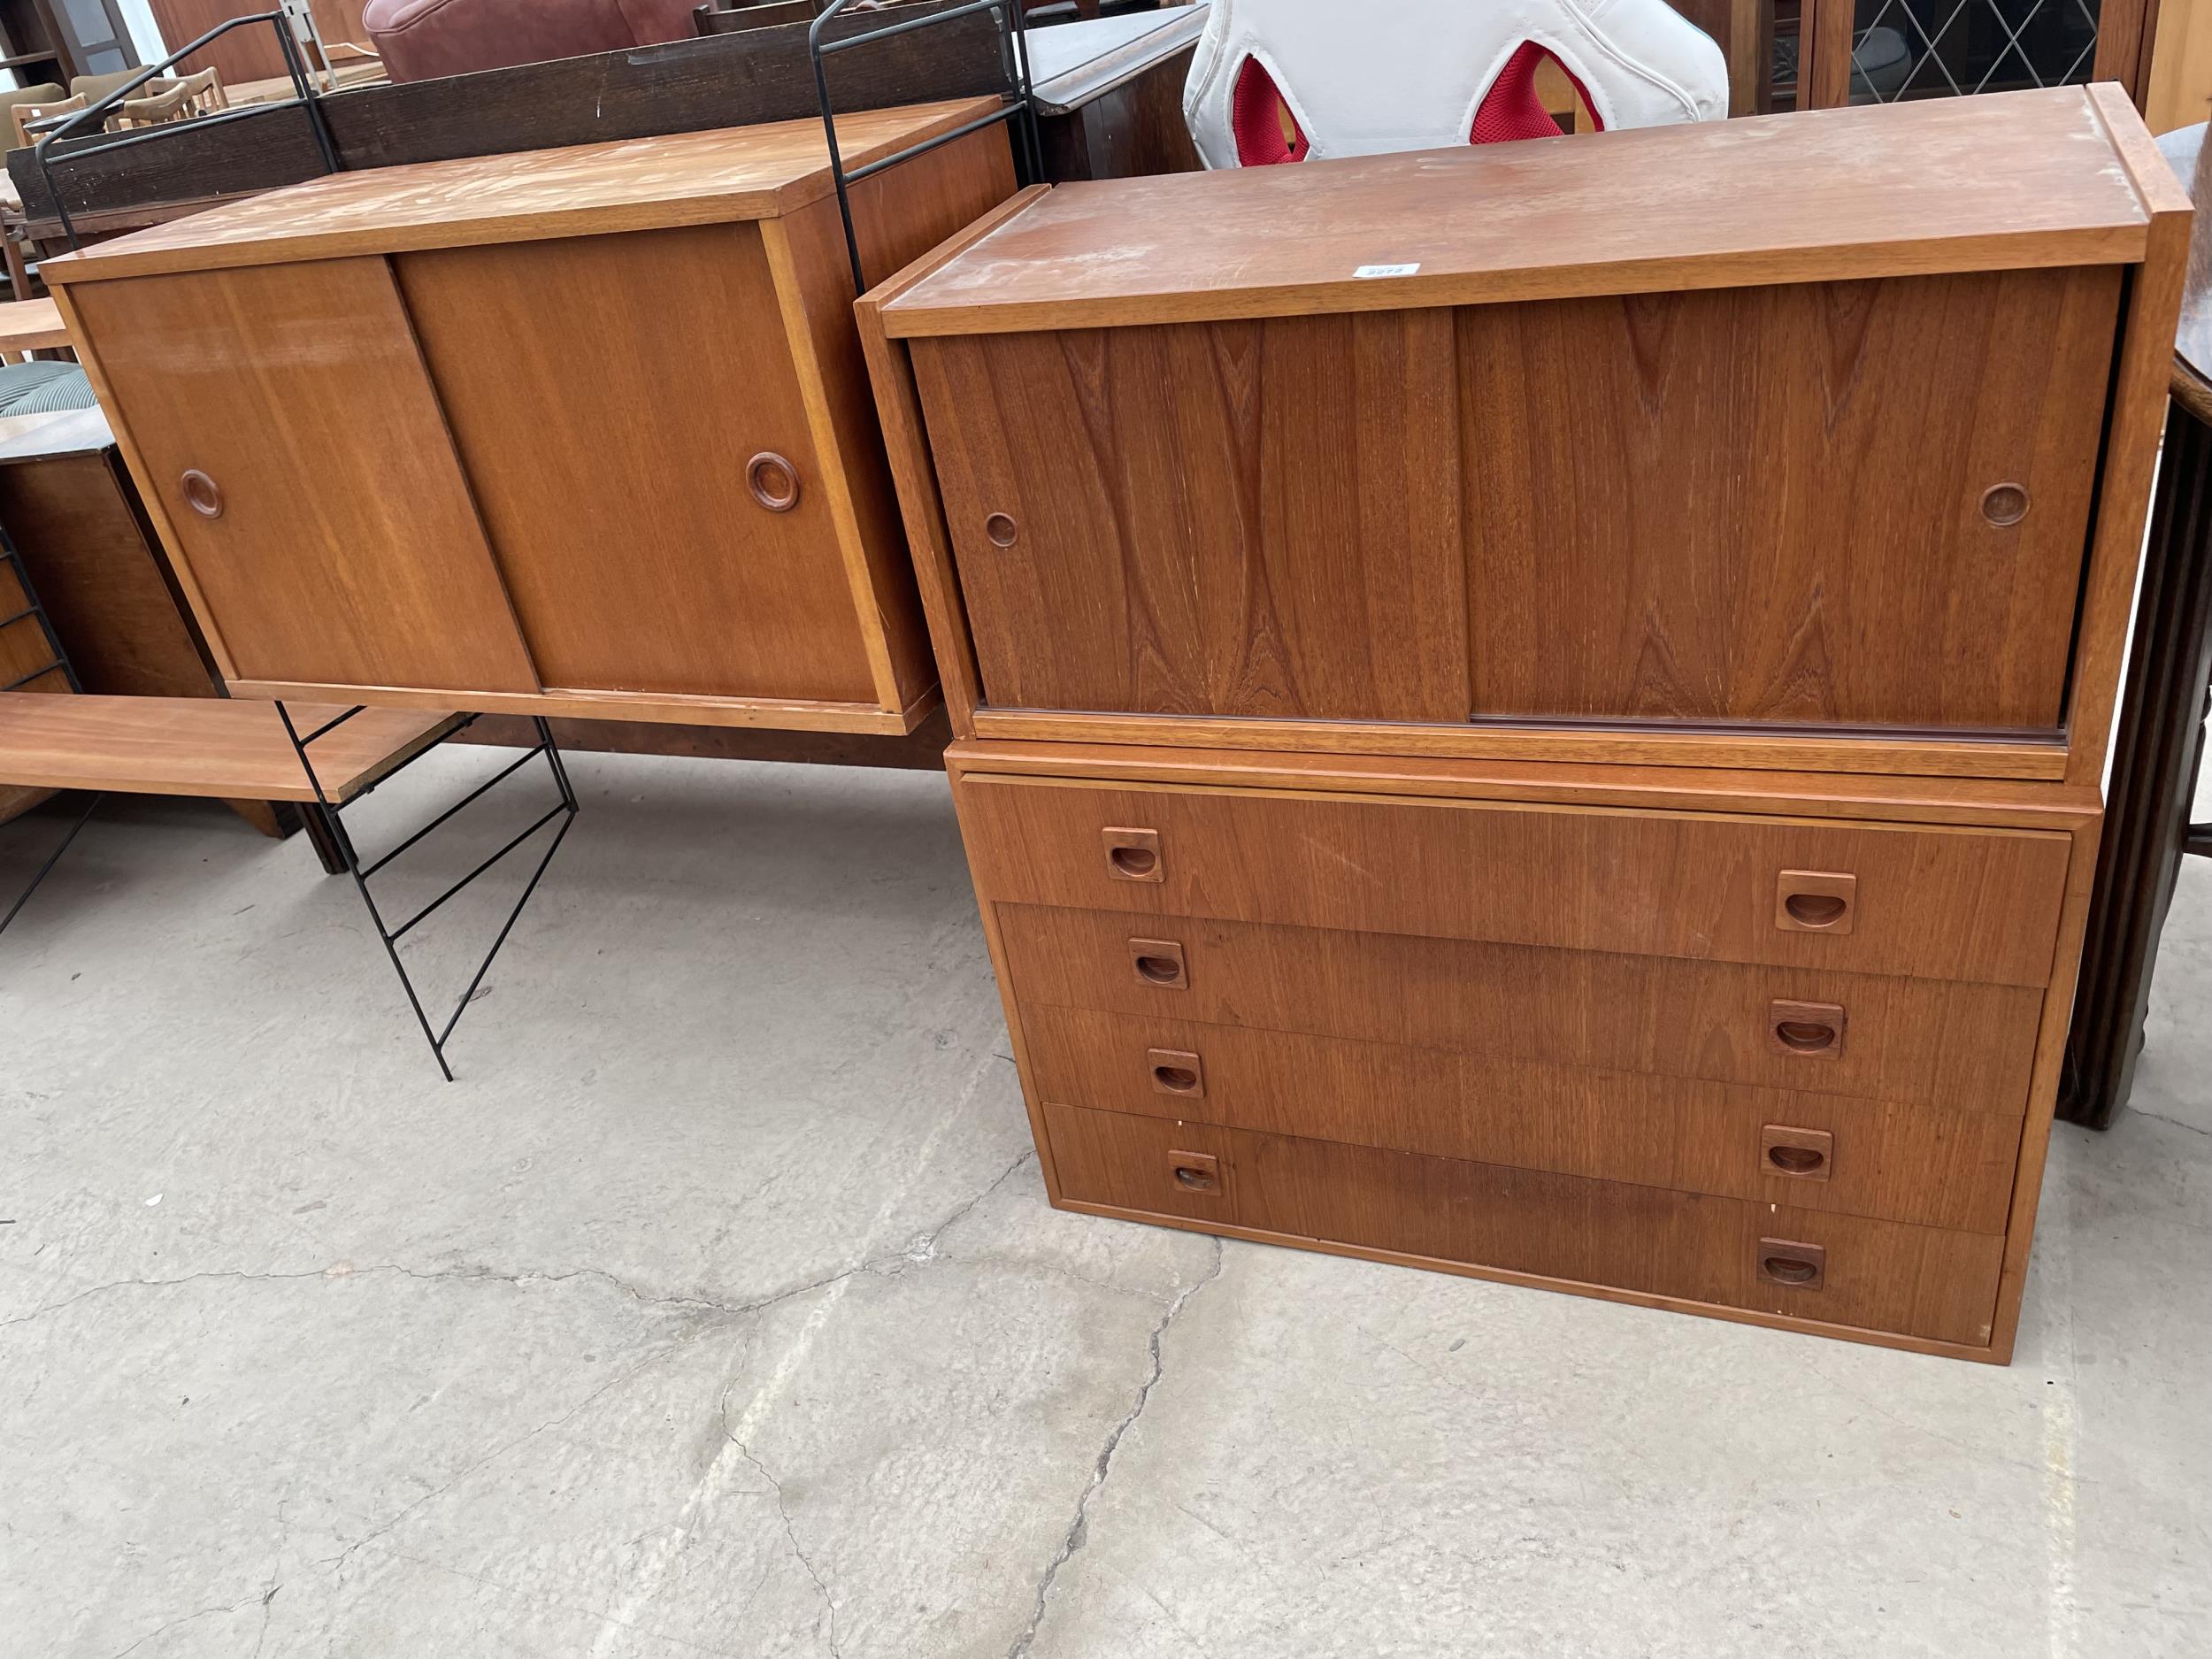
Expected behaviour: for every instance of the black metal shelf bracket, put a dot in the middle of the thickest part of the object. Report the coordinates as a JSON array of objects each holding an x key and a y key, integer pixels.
[
  {"x": 53, "y": 129},
  {"x": 1019, "y": 108},
  {"x": 334, "y": 835}
]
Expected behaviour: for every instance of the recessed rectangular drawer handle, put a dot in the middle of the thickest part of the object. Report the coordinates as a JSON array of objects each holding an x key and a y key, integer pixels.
[
  {"x": 1816, "y": 902},
  {"x": 1177, "y": 1072},
  {"x": 1195, "y": 1172},
  {"x": 1134, "y": 855},
  {"x": 1810, "y": 1029},
  {"x": 1790, "y": 1263},
  {"x": 1159, "y": 963},
  {"x": 1803, "y": 1154}
]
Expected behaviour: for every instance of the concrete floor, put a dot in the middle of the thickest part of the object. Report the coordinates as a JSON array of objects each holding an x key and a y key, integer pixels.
[{"x": 716, "y": 1309}]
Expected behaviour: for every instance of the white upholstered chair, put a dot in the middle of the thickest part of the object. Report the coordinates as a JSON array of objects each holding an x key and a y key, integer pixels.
[{"x": 1277, "y": 81}]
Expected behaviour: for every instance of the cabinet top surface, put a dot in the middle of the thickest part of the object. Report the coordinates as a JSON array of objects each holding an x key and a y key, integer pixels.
[
  {"x": 728, "y": 173},
  {"x": 2065, "y": 176}
]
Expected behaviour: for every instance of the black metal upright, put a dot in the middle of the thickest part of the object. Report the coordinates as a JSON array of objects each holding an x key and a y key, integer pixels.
[
  {"x": 54, "y": 129},
  {"x": 1018, "y": 106}
]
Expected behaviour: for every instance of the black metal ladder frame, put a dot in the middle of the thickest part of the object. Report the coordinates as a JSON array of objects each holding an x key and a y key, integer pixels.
[
  {"x": 54, "y": 129},
  {"x": 328, "y": 813}
]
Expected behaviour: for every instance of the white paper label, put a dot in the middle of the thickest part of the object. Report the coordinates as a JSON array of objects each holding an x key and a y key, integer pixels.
[{"x": 1385, "y": 270}]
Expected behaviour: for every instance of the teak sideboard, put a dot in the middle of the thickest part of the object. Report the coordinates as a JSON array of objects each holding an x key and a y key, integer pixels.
[
  {"x": 1537, "y": 711},
  {"x": 581, "y": 432}
]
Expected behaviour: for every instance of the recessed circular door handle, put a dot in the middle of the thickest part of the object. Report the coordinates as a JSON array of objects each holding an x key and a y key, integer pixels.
[
  {"x": 202, "y": 493},
  {"x": 2004, "y": 504},
  {"x": 773, "y": 481}
]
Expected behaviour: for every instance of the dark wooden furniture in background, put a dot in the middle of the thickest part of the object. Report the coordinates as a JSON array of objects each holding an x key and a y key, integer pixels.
[
  {"x": 242, "y": 55},
  {"x": 2158, "y": 752},
  {"x": 748, "y": 79},
  {"x": 1110, "y": 93},
  {"x": 1947, "y": 49},
  {"x": 584, "y": 435},
  {"x": 1637, "y": 843},
  {"x": 68, "y": 502},
  {"x": 57, "y": 40},
  {"x": 29, "y": 666}
]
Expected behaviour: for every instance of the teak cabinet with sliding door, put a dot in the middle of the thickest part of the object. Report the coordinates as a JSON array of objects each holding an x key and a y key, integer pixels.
[
  {"x": 582, "y": 432},
  {"x": 1538, "y": 709}
]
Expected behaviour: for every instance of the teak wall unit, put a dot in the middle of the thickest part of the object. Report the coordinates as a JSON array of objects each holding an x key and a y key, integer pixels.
[
  {"x": 1537, "y": 711},
  {"x": 581, "y": 432}
]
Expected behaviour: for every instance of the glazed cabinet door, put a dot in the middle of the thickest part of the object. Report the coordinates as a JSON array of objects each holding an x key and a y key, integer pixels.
[
  {"x": 282, "y": 420},
  {"x": 629, "y": 410}
]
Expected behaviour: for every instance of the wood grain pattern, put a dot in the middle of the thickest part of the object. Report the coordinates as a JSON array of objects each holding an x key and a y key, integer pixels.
[
  {"x": 99, "y": 577},
  {"x": 1974, "y": 802},
  {"x": 1764, "y": 504},
  {"x": 1884, "y": 1275},
  {"x": 922, "y": 749},
  {"x": 1648, "y": 743},
  {"x": 1967, "y": 1046},
  {"x": 2010, "y": 179},
  {"x": 2138, "y": 413},
  {"x": 2157, "y": 762},
  {"x": 621, "y": 705},
  {"x": 1247, "y": 519},
  {"x": 1932, "y": 903},
  {"x": 23, "y": 649},
  {"x": 31, "y": 326},
  {"x": 24, "y": 646},
  {"x": 896, "y": 216},
  {"x": 106, "y": 585},
  {"x": 348, "y": 548},
  {"x": 2050, "y": 1065},
  {"x": 913, "y": 472},
  {"x": 1901, "y": 1161},
  {"x": 608, "y": 452},
  {"x": 205, "y": 746},
  {"x": 244, "y": 54},
  {"x": 637, "y": 184}
]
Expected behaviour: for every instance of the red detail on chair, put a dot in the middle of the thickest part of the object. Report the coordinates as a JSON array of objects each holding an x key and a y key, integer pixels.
[
  {"x": 1266, "y": 131},
  {"x": 1511, "y": 109}
]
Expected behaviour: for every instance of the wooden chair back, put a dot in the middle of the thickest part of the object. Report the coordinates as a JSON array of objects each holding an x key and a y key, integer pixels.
[
  {"x": 201, "y": 94},
  {"x": 24, "y": 114}
]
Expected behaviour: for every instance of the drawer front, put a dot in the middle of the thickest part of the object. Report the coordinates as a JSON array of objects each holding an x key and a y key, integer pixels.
[
  {"x": 1935, "y": 903},
  {"x": 1967, "y": 1046},
  {"x": 1842, "y": 1270},
  {"x": 1922, "y": 1164}
]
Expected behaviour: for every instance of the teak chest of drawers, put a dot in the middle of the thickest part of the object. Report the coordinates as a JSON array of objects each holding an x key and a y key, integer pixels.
[
  {"x": 581, "y": 432},
  {"x": 1538, "y": 710}
]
